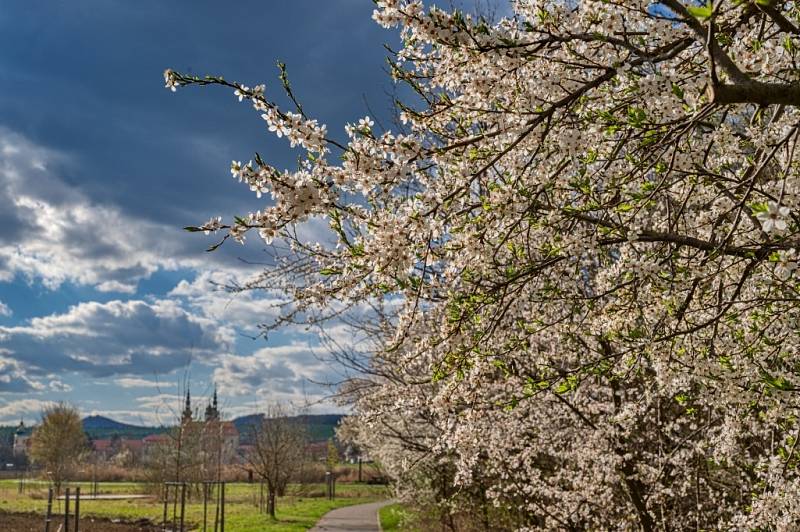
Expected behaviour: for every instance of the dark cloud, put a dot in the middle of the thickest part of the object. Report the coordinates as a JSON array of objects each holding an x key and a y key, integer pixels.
[
  {"x": 115, "y": 338},
  {"x": 100, "y": 167},
  {"x": 53, "y": 233},
  {"x": 164, "y": 157}
]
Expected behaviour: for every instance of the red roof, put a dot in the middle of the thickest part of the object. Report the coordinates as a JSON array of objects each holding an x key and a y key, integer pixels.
[
  {"x": 101, "y": 445},
  {"x": 155, "y": 438},
  {"x": 107, "y": 445},
  {"x": 229, "y": 429},
  {"x": 133, "y": 445}
]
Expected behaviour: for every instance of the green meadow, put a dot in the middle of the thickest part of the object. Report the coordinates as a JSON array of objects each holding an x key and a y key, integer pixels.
[{"x": 299, "y": 510}]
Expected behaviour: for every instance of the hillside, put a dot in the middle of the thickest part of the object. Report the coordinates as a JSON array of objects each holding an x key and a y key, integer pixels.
[
  {"x": 320, "y": 427},
  {"x": 100, "y": 427},
  {"x": 6, "y": 435},
  {"x": 104, "y": 423}
]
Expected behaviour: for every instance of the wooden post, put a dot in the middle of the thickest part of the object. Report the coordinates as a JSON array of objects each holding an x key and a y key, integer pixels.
[
  {"x": 216, "y": 507},
  {"x": 66, "y": 510},
  {"x": 77, "y": 508},
  {"x": 183, "y": 503},
  {"x": 222, "y": 512},
  {"x": 49, "y": 510},
  {"x": 359, "y": 468},
  {"x": 205, "y": 505},
  {"x": 166, "y": 497}
]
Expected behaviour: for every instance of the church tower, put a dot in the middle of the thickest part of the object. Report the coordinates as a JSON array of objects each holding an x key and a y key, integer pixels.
[
  {"x": 21, "y": 437},
  {"x": 212, "y": 410},
  {"x": 186, "y": 417}
]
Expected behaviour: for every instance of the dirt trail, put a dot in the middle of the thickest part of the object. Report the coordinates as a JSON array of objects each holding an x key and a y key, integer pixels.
[{"x": 28, "y": 522}]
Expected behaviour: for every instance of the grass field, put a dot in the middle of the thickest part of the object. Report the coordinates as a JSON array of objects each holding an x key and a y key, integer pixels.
[
  {"x": 398, "y": 518},
  {"x": 299, "y": 510}
]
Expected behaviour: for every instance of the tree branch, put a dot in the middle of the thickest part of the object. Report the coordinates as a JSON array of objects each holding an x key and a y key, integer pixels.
[{"x": 756, "y": 92}]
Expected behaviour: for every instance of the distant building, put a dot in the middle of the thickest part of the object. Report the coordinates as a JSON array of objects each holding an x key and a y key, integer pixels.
[
  {"x": 155, "y": 439},
  {"x": 353, "y": 455},
  {"x": 108, "y": 448},
  {"x": 210, "y": 440},
  {"x": 22, "y": 439},
  {"x": 217, "y": 436},
  {"x": 317, "y": 450}
]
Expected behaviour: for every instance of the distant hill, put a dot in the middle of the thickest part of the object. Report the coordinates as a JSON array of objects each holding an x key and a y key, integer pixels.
[
  {"x": 320, "y": 427},
  {"x": 100, "y": 427},
  {"x": 100, "y": 423},
  {"x": 7, "y": 435}
]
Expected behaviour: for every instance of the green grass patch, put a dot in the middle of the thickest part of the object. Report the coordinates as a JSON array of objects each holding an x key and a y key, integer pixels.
[
  {"x": 397, "y": 518},
  {"x": 299, "y": 510}
]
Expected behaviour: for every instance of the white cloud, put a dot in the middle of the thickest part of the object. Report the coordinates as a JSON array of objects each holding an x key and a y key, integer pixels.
[
  {"x": 13, "y": 379},
  {"x": 244, "y": 310},
  {"x": 29, "y": 409},
  {"x": 146, "y": 418},
  {"x": 161, "y": 400},
  {"x": 115, "y": 338},
  {"x": 129, "y": 382},
  {"x": 116, "y": 286},
  {"x": 288, "y": 370},
  {"x": 166, "y": 408},
  {"x": 53, "y": 232},
  {"x": 57, "y": 385}
]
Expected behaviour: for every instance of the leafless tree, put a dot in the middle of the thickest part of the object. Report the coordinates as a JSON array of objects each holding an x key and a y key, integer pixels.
[{"x": 278, "y": 451}]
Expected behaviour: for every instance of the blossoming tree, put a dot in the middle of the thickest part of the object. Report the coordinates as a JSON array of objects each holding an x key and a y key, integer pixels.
[{"x": 586, "y": 226}]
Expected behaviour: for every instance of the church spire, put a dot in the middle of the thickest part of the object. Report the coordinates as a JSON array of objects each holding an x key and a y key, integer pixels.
[
  {"x": 187, "y": 409},
  {"x": 212, "y": 413}
]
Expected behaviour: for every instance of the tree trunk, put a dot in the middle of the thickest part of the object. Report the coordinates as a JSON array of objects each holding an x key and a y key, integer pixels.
[{"x": 271, "y": 503}]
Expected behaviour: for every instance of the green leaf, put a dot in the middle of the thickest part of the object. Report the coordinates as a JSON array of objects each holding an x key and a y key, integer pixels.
[
  {"x": 568, "y": 385},
  {"x": 677, "y": 90},
  {"x": 779, "y": 383},
  {"x": 357, "y": 250},
  {"x": 215, "y": 246},
  {"x": 700, "y": 12}
]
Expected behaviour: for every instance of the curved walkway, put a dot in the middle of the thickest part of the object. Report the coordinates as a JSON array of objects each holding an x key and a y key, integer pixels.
[{"x": 358, "y": 518}]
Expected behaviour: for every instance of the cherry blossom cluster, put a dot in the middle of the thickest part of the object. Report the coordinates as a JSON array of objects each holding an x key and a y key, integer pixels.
[
  {"x": 300, "y": 132},
  {"x": 584, "y": 248}
]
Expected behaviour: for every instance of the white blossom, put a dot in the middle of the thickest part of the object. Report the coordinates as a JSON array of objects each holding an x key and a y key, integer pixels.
[
  {"x": 563, "y": 310},
  {"x": 774, "y": 218}
]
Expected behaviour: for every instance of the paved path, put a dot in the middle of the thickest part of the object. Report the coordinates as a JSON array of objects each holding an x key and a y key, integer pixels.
[{"x": 358, "y": 518}]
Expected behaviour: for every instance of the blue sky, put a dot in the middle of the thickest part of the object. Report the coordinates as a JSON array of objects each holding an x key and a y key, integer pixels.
[{"x": 104, "y": 301}]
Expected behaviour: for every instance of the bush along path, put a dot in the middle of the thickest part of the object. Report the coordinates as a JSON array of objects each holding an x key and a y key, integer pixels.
[{"x": 360, "y": 517}]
